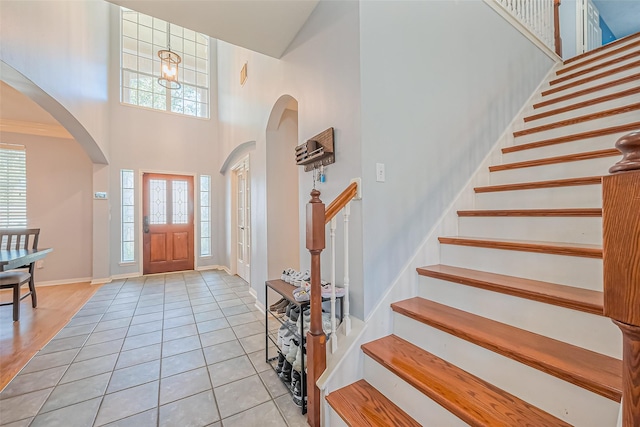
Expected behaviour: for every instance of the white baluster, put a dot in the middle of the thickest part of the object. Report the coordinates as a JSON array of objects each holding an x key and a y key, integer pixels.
[
  {"x": 347, "y": 319},
  {"x": 334, "y": 336}
]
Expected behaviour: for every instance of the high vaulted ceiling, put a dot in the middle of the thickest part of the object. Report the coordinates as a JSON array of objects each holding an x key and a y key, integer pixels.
[{"x": 265, "y": 26}]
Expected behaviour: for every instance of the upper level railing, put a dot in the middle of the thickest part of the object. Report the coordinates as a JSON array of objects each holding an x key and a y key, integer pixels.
[
  {"x": 540, "y": 17},
  {"x": 621, "y": 266}
]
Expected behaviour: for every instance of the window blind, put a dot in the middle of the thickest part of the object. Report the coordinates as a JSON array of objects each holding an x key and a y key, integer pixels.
[{"x": 13, "y": 186}]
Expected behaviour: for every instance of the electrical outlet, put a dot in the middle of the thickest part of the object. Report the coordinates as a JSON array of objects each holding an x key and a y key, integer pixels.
[
  {"x": 40, "y": 263},
  {"x": 380, "y": 172}
]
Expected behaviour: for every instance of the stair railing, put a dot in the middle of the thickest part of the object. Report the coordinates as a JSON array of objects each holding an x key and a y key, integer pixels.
[
  {"x": 540, "y": 17},
  {"x": 621, "y": 265},
  {"x": 317, "y": 218}
]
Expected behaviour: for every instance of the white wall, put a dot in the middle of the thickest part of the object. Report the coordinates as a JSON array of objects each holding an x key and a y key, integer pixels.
[
  {"x": 321, "y": 71},
  {"x": 62, "y": 47},
  {"x": 568, "y": 27},
  {"x": 440, "y": 82},
  {"x": 147, "y": 140},
  {"x": 59, "y": 201},
  {"x": 283, "y": 240}
]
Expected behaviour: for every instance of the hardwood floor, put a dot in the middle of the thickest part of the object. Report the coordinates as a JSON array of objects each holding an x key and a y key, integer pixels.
[{"x": 20, "y": 341}]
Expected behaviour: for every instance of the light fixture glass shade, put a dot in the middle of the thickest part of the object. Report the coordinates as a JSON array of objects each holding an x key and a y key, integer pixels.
[{"x": 169, "y": 69}]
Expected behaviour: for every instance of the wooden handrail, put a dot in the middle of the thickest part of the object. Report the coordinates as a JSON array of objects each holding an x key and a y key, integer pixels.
[
  {"x": 556, "y": 27},
  {"x": 621, "y": 266},
  {"x": 340, "y": 202}
]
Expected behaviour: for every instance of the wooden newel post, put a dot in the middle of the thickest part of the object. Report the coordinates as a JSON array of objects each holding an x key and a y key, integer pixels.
[
  {"x": 316, "y": 339},
  {"x": 556, "y": 27},
  {"x": 621, "y": 257}
]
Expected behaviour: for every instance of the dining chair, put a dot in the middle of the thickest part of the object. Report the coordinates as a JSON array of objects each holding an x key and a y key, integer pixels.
[{"x": 15, "y": 239}]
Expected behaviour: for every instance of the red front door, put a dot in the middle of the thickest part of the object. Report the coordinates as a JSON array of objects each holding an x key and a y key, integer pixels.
[{"x": 167, "y": 223}]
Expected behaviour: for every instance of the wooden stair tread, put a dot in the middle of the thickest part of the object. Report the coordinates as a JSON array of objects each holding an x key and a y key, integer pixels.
[
  {"x": 573, "y": 212},
  {"x": 588, "y": 90},
  {"x": 609, "y": 52},
  {"x": 585, "y": 300},
  {"x": 589, "y": 79},
  {"x": 590, "y": 102},
  {"x": 595, "y": 67},
  {"x": 555, "y": 248},
  {"x": 589, "y": 180},
  {"x": 573, "y": 137},
  {"x": 602, "y": 48},
  {"x": 609, "y": 152},
  {"x": 468, "y": 397},
  {"x": 592, "y": 371},
  {"x": 361, "y": 404},
  {"x": 580, "y": 119}
]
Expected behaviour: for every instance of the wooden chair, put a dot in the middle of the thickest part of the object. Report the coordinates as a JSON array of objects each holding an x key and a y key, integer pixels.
[{"x": 14, "y": 239}]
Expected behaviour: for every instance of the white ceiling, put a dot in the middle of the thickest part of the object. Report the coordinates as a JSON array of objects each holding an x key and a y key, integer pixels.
[{"x": 265, "y": 26}]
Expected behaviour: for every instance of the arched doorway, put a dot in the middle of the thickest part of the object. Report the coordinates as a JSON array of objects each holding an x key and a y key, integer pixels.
[{"x": 283, "y": 206}]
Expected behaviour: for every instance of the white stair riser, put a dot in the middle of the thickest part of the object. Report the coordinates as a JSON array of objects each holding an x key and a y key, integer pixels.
[
  {"x": 564, "y": 270},
  {"x": 582, "y": 63},
  {"x": 565, "y": 170},
  {"x": 596, "y": 333},
  {"x": 580, "y": 196},
  {"x": 596, "y": 82},
  {"x": 559, "y": 398},
  {"x": 550, "y": 229},
  {"x": 588, "y": 126},
  {"x": 424, "y": 410},
  {"x": 334, "y": 419},
  {"x": 601, "y": 106},
  {"x": 581, "y": 146},
  {"x": 600, "y": 68}
]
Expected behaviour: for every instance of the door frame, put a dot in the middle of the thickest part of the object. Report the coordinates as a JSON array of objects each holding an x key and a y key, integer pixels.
[
  {"x": 140, "y": 216},
  {"x": 233, "y": 259}
]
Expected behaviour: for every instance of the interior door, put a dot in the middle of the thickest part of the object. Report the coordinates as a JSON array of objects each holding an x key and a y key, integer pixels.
[
  {"x": 592, "y": 30},
  {"x": 167, "y": 223},
  {"x": 243, "y": 203}
]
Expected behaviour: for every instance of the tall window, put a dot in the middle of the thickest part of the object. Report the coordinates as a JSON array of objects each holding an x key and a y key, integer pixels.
[
  {"x": 13, "y": 186},
  {"x": 142, "y": 37},
  {"x": 127, "y": 253},
  {"x": 205, "y": 215}
]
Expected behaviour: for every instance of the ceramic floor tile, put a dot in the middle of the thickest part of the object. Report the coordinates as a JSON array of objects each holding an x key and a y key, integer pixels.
[
  {"x": 239, "y": 319},
  {"x": 149, "y": 309},
  {"x": 89, "y": 368},
  {"x": 76, "y": 392},
  {"x": 212, "y": 325},
  {"x": 217, "y": 337},
  {"x": 174, "y": 322},
  {"x": 241, "y": 395},
  {"x": 116, "y": 306},
  {"x": 97, "y": 350},
  {"x": 179, "y": 332},
  {"x": 177, "y": 304},
  {"x": 258, "y": 360},
  {"x": 144, "y": 328},
  {"x": 202, "y": 301},
  {"x": 274, "y": 385},
  {"x": 145, "y": 419},
  {"x": 182, "y": 362},
  {"x": 23, "y": 406},
  {"x": 182, "y": 345},
  {"x": 106, "y": 325},
  {"x": 248, "y": 329},
  {"x": 128, "y": 402},
  {"x": 183, "y": 385},
  {"x": 208, "y": 315},
  {"x": 253, "y": 343},
  {"x": 291, "y": 412},
  {"x": 78, "y": 415},
  {"x": 84, "y": 320},
  {"x": 45, "y": 361},
  {"x": 177, "y": 312},
  {"x": 264, "y": 415},
  {"x": 231, "y": 303},
  {"x": 104, "y": 336},
  {"x": 113, "y": 315},
  {"x": 236, "y": 309},
  {"x": 29, "y": 382},
  {"x": 231, "y": 370},
  {"x": 197, "y": 410},
  {"x": 139, "y": 355},
  {"x": 225, "y": 351},
  {"x": 134, "y": 376},
  {"x": 142, "y": 340},
  {"x": 144, "y": 318},
  {"x": 21, "y": 423},
  {"x": 62, "y": 344},
  {"x": 73, "y": 331}
]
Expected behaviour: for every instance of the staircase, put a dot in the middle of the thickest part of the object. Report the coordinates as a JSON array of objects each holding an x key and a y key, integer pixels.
[{"x": 509, "y": 329}]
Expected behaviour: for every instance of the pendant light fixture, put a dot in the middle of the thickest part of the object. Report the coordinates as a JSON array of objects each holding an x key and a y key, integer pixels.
[{"x": 169, "y": 65}]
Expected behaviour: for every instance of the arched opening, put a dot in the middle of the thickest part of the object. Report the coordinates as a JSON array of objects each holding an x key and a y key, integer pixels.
[{"x": 283, "y": 206}]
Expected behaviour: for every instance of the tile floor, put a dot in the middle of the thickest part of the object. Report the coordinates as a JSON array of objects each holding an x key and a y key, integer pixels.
[{"x": 183, "y": 349}]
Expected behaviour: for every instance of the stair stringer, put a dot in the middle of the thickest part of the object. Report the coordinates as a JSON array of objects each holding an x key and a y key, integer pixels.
[{"x": 347, "y": 366}]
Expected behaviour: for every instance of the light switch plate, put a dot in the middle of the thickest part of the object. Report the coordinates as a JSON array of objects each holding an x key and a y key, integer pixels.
[{"x": 380, "y": 177}]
